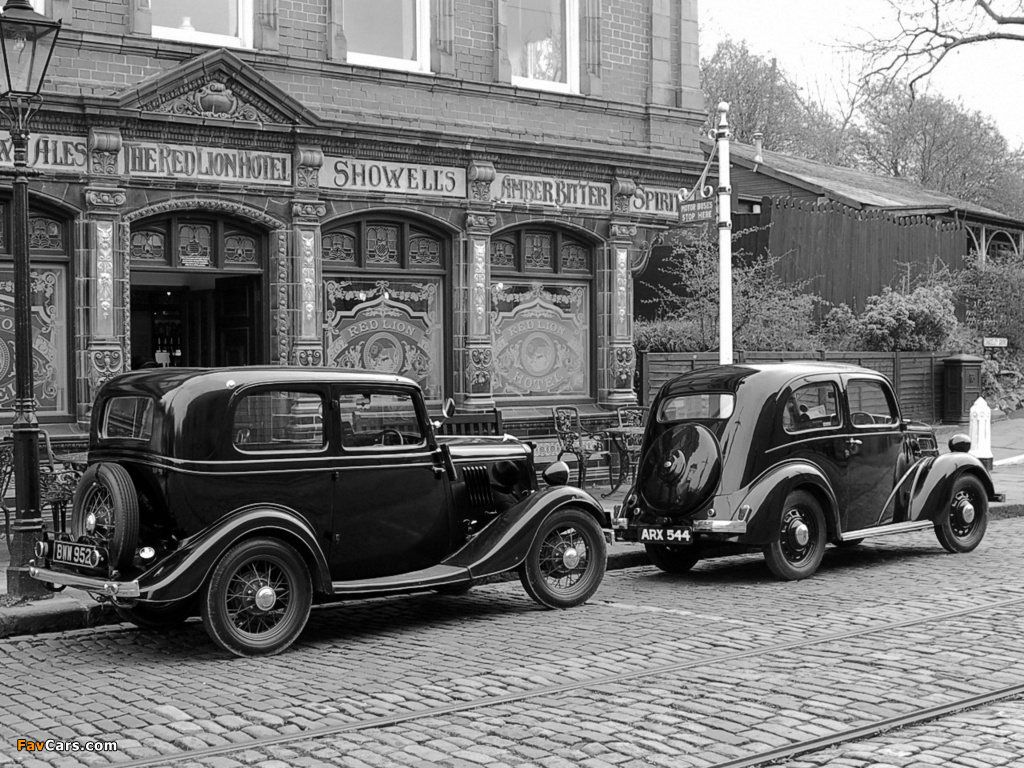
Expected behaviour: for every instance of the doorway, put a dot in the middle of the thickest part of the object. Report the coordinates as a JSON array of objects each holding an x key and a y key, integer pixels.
[{"x": 195, "y": 320}]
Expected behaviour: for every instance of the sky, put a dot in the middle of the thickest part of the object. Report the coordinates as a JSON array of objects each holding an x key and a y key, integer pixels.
[{"x": 806, "y": 37}]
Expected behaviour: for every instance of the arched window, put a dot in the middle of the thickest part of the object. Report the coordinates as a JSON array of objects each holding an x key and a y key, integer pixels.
[
  {"x": 49, "y": 242},
  {"x": 383, "y": 298},
  {"x": 541, "y": 311}
]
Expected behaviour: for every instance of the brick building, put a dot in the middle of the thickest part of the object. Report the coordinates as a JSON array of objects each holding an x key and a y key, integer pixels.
[{"x": 453, "y": 190}]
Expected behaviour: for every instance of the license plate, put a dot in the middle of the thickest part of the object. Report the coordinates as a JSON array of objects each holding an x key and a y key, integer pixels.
[
  {"x": 665, "y": 535},
  {"x": 73, "y": 554}
]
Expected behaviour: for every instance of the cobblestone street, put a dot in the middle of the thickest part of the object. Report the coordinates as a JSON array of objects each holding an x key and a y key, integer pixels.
[{"x": 701, "y": 669}]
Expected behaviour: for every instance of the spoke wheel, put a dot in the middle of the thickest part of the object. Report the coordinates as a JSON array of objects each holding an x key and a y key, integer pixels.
[
  {"x": 566, "y": 561},
  {"x": 257, "y": 601},
  {"x": 106, "y": 510},
  {"x": 964, "y": 527},
  {"x": 673, "y": 559},
  {"x": 797, "y": 549}
]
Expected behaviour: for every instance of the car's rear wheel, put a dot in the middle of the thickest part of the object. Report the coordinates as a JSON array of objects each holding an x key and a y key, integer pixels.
[
  {"x": 158, "y": 615},
  {"x": 964, "y": 526},
  {"x": 566, "y": 561},
  {"x": 796, "y": 550},
  {"x": 106, "y": 509},
  {"x": 673, "y": 559},
  {"x": 258, "y": 598}
]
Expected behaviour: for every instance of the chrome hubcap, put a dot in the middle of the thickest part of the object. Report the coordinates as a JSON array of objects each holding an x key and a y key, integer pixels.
[
  {"x": 90, "y": 522},
  {"x": 571, "y": 558},
  {"x": 966, "y": 512},
  {"x": 265, "y": 598},
  {"x": 799, "y": 533}
]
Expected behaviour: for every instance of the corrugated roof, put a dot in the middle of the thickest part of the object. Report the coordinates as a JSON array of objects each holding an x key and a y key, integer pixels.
[{"x": 857, "y": 188}]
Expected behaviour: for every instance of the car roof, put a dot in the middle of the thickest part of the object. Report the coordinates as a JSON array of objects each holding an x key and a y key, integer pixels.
[
  {"x": 767, "y": 376},
  {"x": 160, "y": 381}
]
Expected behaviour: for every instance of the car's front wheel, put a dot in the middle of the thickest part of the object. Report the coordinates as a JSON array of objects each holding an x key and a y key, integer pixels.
[
  {"x": 964, "y": 527},
  {"x": 673, "y": 559},
  {"x": 258, "y": 598},
  {"x": 796, "y": 550},
  {"x": 566, "y": 561}
]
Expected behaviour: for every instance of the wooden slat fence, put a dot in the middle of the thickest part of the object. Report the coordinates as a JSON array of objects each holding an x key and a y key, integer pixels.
[{"x": 917, "y": 376}]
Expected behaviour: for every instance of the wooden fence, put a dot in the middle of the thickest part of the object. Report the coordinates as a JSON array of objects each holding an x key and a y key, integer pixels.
[{"x": 917, "y": 376}]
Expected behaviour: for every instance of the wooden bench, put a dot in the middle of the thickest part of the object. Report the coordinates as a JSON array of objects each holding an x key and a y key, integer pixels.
[{"x": 472, "y": 424}]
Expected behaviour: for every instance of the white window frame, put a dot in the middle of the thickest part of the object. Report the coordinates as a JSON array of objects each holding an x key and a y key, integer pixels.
[
  {"x": 422, "y": 61},
  {"x": 572, "y": 57},
  {"x": 246, "y": 26}
]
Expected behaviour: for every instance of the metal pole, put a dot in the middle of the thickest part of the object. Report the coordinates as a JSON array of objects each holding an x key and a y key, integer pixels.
[
  {"x": 724, "y": 239},
  {"x": 28, "y": 522}
]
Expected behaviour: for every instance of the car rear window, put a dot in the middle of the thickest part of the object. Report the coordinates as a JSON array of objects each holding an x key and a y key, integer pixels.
[
  {"x": 128, "y": 417},
  {"x": 707, "y": 406}
]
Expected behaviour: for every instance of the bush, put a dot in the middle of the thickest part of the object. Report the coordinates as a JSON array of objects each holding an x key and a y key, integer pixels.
[
  {"x": 919, "y": 321},
  {"x": 991, "y": 294}
]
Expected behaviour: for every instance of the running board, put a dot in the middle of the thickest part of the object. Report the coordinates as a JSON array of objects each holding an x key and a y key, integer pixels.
[
  {"x": 885, "y": 530},
  {"x": 428, "y": 578}
]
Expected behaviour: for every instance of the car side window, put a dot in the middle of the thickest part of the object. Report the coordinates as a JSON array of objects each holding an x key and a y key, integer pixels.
[
  {"x": 870, "y": 404},
  {"x": 276, "y": 420},
  {"x": 379, "y": 420},
  {"x": 812, "y": 406}
]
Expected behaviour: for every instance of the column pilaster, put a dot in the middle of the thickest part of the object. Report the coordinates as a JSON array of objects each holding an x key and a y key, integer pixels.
[
  {"x": 616, "y": 286},
  {"x": 306, "y": 246},
  {"x": 475, "y": 348}
]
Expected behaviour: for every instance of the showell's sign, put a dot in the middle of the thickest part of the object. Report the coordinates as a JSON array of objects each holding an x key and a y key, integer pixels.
[{"x": 400, "y": 178}]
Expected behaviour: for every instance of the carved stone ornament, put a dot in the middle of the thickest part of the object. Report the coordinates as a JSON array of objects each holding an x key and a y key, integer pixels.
[
  {"x": 478, "y": 371},
  {"x": 308, "y": 161},
  {"x": 217, "y": 99},
  {"x": 104, "y": 321},
  {"x": 302, "y": 210},
  {"x": 623, "y": 231},
  {"x": 104, "y": 147},
  {"x": 481, "y": 220},
  {"x": 622, "y": 194},
  {"x": 480, "y": 174},
  {"x": 309, "y": 357},
  {"x": 105, "y": 198},
  {"x": 623, "y": 366},
  {"x": 104, "y": 364}
]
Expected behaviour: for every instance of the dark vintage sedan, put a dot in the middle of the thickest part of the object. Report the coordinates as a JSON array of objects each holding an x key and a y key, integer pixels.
[
  {"x": 784, "y": 458},
  {"x": 244, "y": 495}
]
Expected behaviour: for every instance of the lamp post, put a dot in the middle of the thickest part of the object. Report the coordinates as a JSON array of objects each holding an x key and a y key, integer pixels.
[
  {"x": 27, "y": 40},
  {"x": 722, "y": 136}
]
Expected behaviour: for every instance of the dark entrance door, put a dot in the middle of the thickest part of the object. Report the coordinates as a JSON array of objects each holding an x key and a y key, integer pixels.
[{"x": 236, "y": 313}]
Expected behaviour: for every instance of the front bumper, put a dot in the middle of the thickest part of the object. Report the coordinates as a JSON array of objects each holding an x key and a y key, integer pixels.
[{"x": 88, "y": 583}]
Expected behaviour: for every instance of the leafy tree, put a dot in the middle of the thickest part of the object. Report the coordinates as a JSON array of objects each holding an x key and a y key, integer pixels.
[
  {"x": 767, "y": 312},
  {"x": 928, "y": 30}
]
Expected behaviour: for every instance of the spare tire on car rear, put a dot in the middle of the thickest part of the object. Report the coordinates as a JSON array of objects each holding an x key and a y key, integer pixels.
[
  {"x": 681, "y": 470},
  {"x": 106, "y": 511}
]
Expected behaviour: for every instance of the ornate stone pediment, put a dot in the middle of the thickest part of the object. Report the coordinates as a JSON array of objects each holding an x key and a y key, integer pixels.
[{"x": 217, "y": 85}]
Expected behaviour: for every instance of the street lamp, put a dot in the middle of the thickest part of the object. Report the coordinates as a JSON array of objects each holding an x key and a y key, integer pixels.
[{"x": 27, "y": 39}]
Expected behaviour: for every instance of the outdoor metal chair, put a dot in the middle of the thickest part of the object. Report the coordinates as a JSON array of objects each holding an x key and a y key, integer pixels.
[
  {"x": 57, "y": 482},
  {"x": 576, "y": 439},
  {"x": 632, "y": 416}
]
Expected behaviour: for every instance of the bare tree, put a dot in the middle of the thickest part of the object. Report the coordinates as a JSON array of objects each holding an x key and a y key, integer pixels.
[{"x": 930, "y": 29}]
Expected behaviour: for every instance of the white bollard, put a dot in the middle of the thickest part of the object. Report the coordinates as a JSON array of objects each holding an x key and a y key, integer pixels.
[{"x": 981, "y": 432}]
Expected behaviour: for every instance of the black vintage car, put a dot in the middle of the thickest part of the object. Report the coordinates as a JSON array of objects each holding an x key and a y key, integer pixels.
[
  {"x": 244, "y": 494},
  {"x": 784, "y": 458}
]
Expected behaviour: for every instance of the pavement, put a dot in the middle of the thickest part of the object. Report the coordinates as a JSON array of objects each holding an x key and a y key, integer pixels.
[{"x": 75, "y": 609}]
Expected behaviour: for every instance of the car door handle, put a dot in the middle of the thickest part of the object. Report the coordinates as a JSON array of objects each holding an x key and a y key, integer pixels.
[
  {"x": 855, "y": 441},
  {"x": 438, "y": 471}
]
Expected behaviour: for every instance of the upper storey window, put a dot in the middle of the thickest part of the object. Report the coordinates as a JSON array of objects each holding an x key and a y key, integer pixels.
[
  {"x": 208, "y": 22},
  {"x": 388, "y": 34},
  {"x": 543, "y": 44}
]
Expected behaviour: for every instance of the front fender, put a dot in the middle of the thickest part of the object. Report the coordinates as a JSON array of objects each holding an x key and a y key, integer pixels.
[
  {"x": 932, "y": 497},
  {"x": 503, "y": 544},
  {"x": 184, "y": 571},
  {"x": 768, "y": 493}
]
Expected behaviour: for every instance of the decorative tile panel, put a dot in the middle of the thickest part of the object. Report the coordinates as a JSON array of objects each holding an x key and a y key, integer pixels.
[
  {"x": 45, "y": 234},
  {"x": 339, "y": 247},
  {"x": 424, "y": 251},
  {"x": 575, "y": 258},
  {"x": 381, "y": 244},
  {"x": 239, "y": 249},
  {"x": 503, "y": 254},
  {"x": 194, "y": 245},
  {"x": 537, "y": 246},
  {"x": 148, "y": 245}
]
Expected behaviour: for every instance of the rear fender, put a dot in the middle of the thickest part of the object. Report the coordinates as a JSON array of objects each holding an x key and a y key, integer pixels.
[
  {"x": 503, "y": 544},
  {"x": 933, "y": 495},
  {"x": 185, "y": 570},
  {"x": 768, "y": 493}
]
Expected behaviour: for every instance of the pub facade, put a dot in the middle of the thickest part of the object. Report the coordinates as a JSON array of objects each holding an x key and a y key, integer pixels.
[{"x": 247, "y": 206}]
